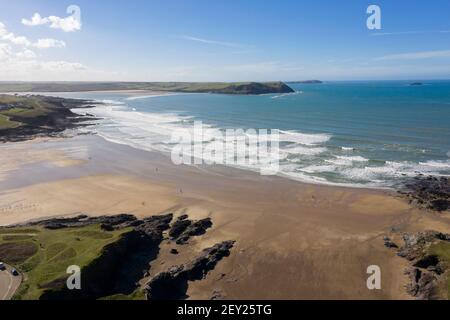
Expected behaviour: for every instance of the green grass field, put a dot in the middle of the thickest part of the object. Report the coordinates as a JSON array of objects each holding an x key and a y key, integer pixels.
[
  {"x": 442, "y": 250},
  {"x": 43, "y": 255},
  {"x": 24, "y": 107},
  {"x": 6, "y": 123}
]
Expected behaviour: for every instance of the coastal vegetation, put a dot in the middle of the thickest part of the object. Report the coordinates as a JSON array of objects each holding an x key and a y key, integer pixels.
[
  {"x": 113, "y": 253},
  {"x": 24, "y": 117},
  {"x": 44, "y": 254},
  {"x": 442, "y": 251},
  {"x": 188, "y": 87}
]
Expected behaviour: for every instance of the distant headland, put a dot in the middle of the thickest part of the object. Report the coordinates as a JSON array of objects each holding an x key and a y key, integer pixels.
[
  {"x": 306, "y": 82},
  {"x": 245, "y": 88}
]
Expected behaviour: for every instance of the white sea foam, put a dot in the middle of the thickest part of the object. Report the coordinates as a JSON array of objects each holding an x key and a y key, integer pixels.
[
  {"x": 316, "y": 169},
  {"x": 303, "y": 156},
  {"x": 112, "y": 102},
  {"x": 391, "y": 169},
  {"x": 346, "y": 161},
  {"x": 286, "y": 94},
  {"x": 436, "y": 164},
  {"x": 303, "y": 138},
  {"x": 301, "y": 150},
  {"x": 339, "y": 162},
  {"x": 304, "y": 177},
  {"x": 152, "y": 96},
  {"x": 354, "y": 158}
]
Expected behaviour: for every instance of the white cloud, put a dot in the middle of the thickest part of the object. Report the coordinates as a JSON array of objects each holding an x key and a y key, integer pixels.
[
  {"x": 15, "y": 68},
  {"x": 26, "y": 54},
  {"x": 17, "y": 40},
  {"x": 36, "y": 20},
  {"x": 3, "y": 30},
  {"x": 49, "y": 43},
  {"x": 63, "y": 66},
  {"x": 19, "y": 63},
  {"x": 25, "y": 66},
  {"x": 25, "y": 42},
  {"x": 68, "y": 24},
  {"x": 11, "y": 37},
  {"x": 5, "y": 51},
  {"x": 416, "y": 55}
]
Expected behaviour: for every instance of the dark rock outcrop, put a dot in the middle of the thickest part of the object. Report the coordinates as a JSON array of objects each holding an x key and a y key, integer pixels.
[
  {"x": 124, "y": 262},
  {"x": 415, "y": 244},
  {"x": 197, "y": 228},
  {"x": 178, "y": 228},
  {"x": 423, "y": 284},
  {"x": 426, "y": 269},
  {"x": 107, "y": 222},
  {"x": 183, "y": 229},
  {"x": 154, "y": 226},
  {"x": 173, "y": 284},
  {"x": 388, "y": 243},
  {"x": 429, "y": 192},
  {"x": 50, "y": 121}
]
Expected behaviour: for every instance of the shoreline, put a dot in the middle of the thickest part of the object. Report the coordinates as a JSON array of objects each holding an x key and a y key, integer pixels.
[
  {"x": 293, "y": 240},
  {"x": 85, "y": 118},
  {"x": 256, "y": 171}
]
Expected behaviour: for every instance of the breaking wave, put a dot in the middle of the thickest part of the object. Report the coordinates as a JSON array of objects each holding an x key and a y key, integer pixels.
[{"x": 303, "y": 156}]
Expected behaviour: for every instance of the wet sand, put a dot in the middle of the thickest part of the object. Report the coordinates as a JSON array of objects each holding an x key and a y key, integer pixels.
[{"x": 293, "y": 240}]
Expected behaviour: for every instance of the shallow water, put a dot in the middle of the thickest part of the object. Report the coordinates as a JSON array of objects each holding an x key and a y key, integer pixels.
[{"x": 369, "y": 134}]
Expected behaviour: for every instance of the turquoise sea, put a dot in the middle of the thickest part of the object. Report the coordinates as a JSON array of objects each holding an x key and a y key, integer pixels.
[{"x": 371, "y": 134}]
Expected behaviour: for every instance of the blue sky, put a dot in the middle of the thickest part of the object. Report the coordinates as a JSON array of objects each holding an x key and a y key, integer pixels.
[{"x": 218, "y": 40}]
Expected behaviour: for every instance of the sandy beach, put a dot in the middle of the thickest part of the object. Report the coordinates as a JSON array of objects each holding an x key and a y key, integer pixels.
[{"x": 293, "y": 240}]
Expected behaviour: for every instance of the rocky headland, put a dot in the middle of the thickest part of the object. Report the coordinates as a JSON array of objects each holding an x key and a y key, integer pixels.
[
  {"x": 120, "y": 265},
  {"x": 244, "y": 88},
  {"x": 27, "y": 117},
  {"x": 428, "y": 192},
  {"x": 428, "y": 254}
]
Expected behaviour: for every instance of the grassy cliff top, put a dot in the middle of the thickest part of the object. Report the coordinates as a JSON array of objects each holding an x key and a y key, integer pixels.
[
  {"x": 44, "y": 255},
  {"x": 191, "y": 87},
  {"x": 15, "y": 107},
  {"x": 442, "y": 251},
  {"x": 23, "y": 117}
]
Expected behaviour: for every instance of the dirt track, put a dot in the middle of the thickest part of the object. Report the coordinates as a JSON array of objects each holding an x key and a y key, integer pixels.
[{"x": 8, "y": 283}]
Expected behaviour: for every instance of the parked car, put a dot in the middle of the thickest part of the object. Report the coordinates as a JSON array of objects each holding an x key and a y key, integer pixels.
[
  {"x": 14, "y": 272},
  {"x": 2, "y": 266}
]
